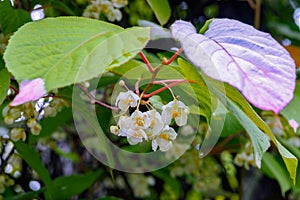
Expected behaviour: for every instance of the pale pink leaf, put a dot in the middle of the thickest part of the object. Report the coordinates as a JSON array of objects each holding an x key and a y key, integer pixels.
[
  {"x": 248, "y": 59},
  {"x": 29, "y": 91}
]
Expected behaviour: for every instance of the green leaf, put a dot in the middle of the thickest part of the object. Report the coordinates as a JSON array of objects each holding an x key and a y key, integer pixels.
[
  {"x": 232, "y": 93},
  {"x": 66, "y": 187},
  {"x": 231, "y": 125},
  {"x": 4, "y": 83},
  {"x": 26, "y": 196},
  {"x": 68, "y": 155},
  {"x": 128, "y": 66},
  {"x": 200, "y": 88},
  {"x": 292, "y": 110},
  {"x": 259, "y": 140},
  {"x": 10, "y": 18},
  {"x": 156, "y": 102},
  {"x": 272, "y": 167},
  {"x": 62, "y": 7},
  {"x": 205, "y": 26},
  {"x": 88, "y": 126},
  {"x": 175, "y": 185},
  {"x": 161, "y": 9},
  {"x": 33, "y": 159},
  {"x": 67, "y": 50}
]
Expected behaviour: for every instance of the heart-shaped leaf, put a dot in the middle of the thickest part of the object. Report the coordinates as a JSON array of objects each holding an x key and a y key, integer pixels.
[
  {"x": 66, "y": 50},
  {"x": 248, "y": 59}
]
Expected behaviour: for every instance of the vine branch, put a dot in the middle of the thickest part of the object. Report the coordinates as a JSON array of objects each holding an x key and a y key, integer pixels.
[{"x": 93, "y": 100}]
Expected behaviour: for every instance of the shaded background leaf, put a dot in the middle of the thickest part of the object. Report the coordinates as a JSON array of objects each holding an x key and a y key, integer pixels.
[
  {"x": 161, "y": 9},
  {"x": 10, "y": 18},
  {"x": 4, "y": 81}
]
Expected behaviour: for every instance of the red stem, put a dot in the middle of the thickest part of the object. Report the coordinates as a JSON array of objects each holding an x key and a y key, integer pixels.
[
  {"x": 165, "y": 87},
  {"x": 14, "y": 89},
  {"x": 169, "y": 81},
  {"x": 146, "y": 61},
  {"x": 137, "y": 91},
  {"x": 19, "y": 5},
  {"x": 167, "y": 62}
]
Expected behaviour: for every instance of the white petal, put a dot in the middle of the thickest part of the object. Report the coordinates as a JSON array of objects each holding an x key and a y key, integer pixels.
[
  {"x": 154, "y": 145},
  {"x": 166, "y": 115},
  {"x": 170, "y": 132},
  {"x": 164, "y": 145},
  {"x": 182, "y": 119}
]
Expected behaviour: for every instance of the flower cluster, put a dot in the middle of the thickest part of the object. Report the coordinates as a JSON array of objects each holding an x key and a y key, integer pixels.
[
  {"x": 27, "y": 116},
  {"x": 246, "y": 157},
  {"x": 140, "y": 184},
  {"x": 110, "y": 9},
  {"x": 149, "y": 125}
]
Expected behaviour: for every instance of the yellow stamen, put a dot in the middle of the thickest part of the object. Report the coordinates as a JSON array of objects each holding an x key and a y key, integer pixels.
[
  {"x": 139, "y": 121},
  {"x": 152, "y": 123},
  {"x": 164, "y": 136},
  {"x": 175, "y": 114}
]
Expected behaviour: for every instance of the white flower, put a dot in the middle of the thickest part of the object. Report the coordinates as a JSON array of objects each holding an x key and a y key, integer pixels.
[
  {"x": 140, "y": 184},
  {"x": 139, "y": 120},
  {"x": 135, "y": 136},
  {"x": 164, "y": 139},
  {"x": 125, "y": 124},
  {"x": 156, "y": 123},
  {"x": 114, "y": 14},
  {"x": 106, "y": 7},
  {"x": 126, "y": 99},
  {"x": 175, "y": 110},
  {"x": 132, "y": 127},
  {"x": 119, "y": 3},
  {"x": 37, "y": 13}
]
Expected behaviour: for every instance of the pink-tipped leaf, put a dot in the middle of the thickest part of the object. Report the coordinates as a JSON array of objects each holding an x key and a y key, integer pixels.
[
  {"x": 248, "y": 59},
  {"x": 29, "y": 91}
]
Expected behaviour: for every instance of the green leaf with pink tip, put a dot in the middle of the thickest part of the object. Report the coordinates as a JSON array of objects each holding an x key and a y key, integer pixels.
[{"x": 248, "y": 59}]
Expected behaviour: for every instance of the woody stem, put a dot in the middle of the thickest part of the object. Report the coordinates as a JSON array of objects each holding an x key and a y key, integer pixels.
[{"x": 93, "y": 100}]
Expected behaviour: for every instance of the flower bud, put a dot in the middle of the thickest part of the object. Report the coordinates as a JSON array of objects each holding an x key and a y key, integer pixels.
[
  {"x": 121, "y": 83},
  {"x": 29, "y": 110},
  {"x": 35, "y": 130},
  {"x": 31, "y": 123},
  {"x": 50, "y": 111},
  {"x": 114, "y": 130},
  {"x": 9, "y": 120},
  {"x": 5, "y": 111},
  {"x": 17, "y": 134},
  {"x": 15, "y": 113}
]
